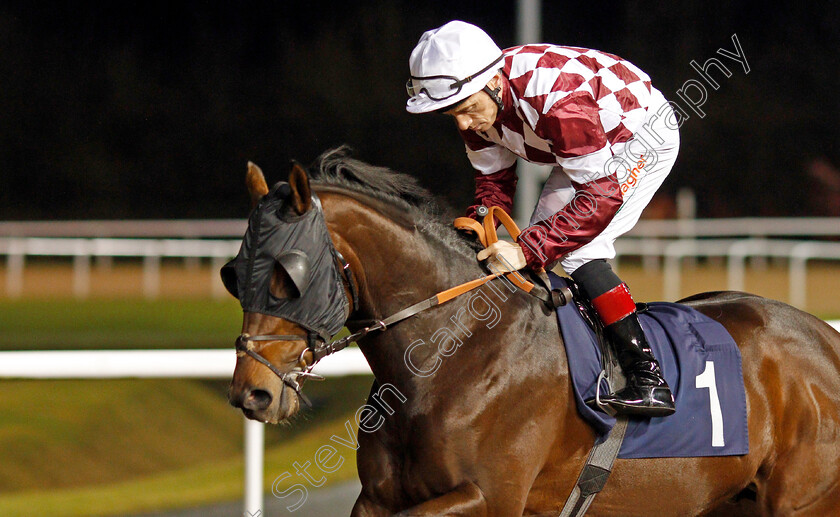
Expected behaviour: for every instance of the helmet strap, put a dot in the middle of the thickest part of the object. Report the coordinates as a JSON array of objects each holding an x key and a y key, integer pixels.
[{"x": 494, "y": 94}]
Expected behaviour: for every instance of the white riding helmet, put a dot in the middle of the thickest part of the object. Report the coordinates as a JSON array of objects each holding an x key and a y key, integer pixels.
[{"x": 448, "y": 65}]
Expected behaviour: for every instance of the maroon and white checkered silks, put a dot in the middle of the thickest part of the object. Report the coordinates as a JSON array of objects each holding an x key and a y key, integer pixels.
[{"x": 576, "y": 109}]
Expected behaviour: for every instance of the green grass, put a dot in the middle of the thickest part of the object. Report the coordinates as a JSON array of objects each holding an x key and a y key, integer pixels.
[
  {"x": 96, "y": 324},
  {"x": 73, "y": 433},
  {"x": 108, "y": 447},
  {"x": 126, "y": 446},
  {"x": 215, "y": 481}
]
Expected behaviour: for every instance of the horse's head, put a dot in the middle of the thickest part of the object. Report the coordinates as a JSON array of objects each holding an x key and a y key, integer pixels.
[{"x": 288, "y": 283}]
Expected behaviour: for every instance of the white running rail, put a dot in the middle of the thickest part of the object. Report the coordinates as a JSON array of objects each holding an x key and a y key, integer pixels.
[
  {"x": 736, "y": 251},
  {"x": 152, "y": 251},
  {"x": 156, "y": 364}
]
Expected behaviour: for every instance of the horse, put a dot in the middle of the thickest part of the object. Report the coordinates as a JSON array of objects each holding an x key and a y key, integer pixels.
[{"x": 471, "y": 411}]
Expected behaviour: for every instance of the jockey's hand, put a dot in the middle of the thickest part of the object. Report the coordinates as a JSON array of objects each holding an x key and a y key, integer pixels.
[{"x": 504, "y": 256}]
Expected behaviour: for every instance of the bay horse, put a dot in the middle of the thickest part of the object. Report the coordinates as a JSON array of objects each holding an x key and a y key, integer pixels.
[{"x": 480, "y": 420}]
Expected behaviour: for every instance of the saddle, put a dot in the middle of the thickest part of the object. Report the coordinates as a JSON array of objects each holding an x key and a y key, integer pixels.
[
  {"x": 611, "y": 372},
  {"x": 711, "y": 410}
]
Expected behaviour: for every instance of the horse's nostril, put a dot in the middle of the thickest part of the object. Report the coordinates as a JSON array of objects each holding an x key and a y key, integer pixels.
[{"x": 257, "y": 400}]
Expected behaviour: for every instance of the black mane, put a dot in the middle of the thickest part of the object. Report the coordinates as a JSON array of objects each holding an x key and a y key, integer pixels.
[{"x": 336, "y": 167}]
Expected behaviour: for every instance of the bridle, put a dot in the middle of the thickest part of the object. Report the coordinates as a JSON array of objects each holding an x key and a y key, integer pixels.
[
  {"x": 320, "y": 348},
  {"x": 315, "y": 343}
]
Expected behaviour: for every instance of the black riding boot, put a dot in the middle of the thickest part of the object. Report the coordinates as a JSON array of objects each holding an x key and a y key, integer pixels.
[{"x": 646, "y": 392}]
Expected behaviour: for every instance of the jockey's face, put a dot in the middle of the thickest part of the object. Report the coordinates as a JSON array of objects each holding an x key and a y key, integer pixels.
[{"x": 478, "y": 111}]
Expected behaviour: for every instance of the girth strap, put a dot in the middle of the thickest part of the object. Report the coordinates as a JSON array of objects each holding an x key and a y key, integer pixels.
[{"x": 596, "y": 471}]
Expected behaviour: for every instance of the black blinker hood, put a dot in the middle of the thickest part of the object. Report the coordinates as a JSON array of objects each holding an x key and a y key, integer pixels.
[{"x": 275, "y": 233}]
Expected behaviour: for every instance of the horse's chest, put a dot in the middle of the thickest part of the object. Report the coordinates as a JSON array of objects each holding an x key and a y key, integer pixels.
[{"x": 433, "y": 457}]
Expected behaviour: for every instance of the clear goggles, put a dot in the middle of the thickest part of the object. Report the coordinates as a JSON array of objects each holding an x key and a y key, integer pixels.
[{"x": 442, "y": 87}]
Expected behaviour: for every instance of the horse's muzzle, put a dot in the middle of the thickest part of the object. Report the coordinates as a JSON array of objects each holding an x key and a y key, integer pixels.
[{"x": 262, "y": 404}]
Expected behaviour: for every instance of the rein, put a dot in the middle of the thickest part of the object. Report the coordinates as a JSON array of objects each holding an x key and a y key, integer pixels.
[
  {"x": 314, "y": 342},
  {"x": 320, "y": 348},
  {"x": 598, "y": 465}
]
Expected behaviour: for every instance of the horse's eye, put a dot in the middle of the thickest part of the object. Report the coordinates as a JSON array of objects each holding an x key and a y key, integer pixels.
[
  {"x": 291, "y": 274},
  {"x": 281, "y": 285}
]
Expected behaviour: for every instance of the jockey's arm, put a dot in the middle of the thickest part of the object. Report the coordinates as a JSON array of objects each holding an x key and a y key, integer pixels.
[
  {"x": 495, "y": 173},
  {"x": 592, "y": 208},
  {"x": 582, "y": 150},
  {"x": 495, "y": 189}
]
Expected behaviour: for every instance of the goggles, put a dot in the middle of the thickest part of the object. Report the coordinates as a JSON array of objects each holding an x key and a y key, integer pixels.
[{"x": 442, "y": 87}]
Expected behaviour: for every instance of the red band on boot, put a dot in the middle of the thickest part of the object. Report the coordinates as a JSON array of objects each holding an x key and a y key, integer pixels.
[{"x": 614, "y": 305}]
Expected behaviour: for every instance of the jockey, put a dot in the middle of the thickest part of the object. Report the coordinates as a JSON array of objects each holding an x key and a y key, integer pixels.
[{"x": 612, "y": 139}]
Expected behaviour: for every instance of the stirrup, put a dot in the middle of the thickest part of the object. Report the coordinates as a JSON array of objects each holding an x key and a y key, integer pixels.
[{"x": 599, "y": 403}]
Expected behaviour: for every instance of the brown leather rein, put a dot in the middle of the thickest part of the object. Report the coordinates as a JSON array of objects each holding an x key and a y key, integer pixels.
[{"x": 486, "y": 234}]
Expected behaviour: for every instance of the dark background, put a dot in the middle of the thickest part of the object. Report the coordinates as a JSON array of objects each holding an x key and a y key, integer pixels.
[{"x": 148, "y": 110}]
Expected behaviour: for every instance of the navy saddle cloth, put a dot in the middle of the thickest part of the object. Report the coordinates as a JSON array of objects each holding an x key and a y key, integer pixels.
[{"x": 702, "y": 365}]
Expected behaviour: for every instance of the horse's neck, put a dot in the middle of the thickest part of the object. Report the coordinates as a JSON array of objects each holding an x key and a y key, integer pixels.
[
  {"x": 396, "y": 262},
  {"x": 396, "y": 265}
]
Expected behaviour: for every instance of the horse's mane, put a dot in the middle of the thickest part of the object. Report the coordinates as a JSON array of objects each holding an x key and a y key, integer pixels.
[{"x": 337, "y": 168}]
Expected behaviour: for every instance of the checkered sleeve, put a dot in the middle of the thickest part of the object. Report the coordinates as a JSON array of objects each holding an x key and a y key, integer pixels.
[
  {"x": 494, "y": 190},
  {"x": 591, "y": 209},
  {"x": 495, "y": 173},
  {"x": 573, "y": 126}
]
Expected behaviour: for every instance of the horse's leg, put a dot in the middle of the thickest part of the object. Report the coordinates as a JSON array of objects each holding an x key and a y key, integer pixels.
[
  {"x": 801, "y": 489},
  {"x": 465, "y": 501},
  {"x": 377, "y": 468},
  {"x": 803, "y": 478}
]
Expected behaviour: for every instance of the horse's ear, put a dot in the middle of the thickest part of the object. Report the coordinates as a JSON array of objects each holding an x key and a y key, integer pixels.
[
  {"x": 255, "y": 180},
  {"x": 301, "y": 198}
]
